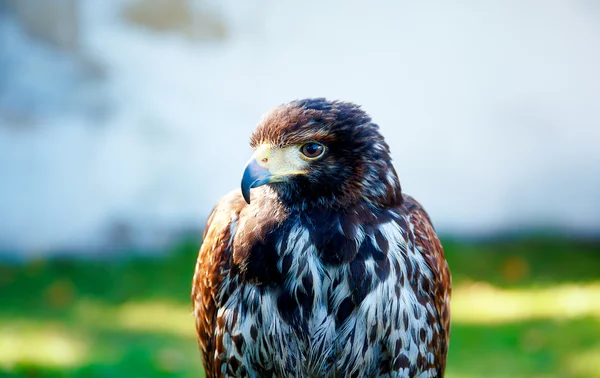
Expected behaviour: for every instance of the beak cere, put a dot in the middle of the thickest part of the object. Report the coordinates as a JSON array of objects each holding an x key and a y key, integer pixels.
[{"x": 254, "y": 176}]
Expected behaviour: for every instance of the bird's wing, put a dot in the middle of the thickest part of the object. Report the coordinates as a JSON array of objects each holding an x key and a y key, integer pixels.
[
  {"x": 427, "y": 242},
  {"x": 212, "y": 268}
]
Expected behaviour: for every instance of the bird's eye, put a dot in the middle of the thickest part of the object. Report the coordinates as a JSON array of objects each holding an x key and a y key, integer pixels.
[{"x": 312, "y": 150}]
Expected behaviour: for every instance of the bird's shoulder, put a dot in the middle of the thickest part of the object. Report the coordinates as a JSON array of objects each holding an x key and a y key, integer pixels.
[
  {"x": 238, "y": 240},
  {"x": 224, "y": 212},
  {"x": 423, "y": 238},
  {"x": 212, "y": 267},
  {"x": 217, "y": 241}
]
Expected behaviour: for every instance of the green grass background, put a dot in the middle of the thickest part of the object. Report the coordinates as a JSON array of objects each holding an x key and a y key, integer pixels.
[{"x": 525, "y": 307}]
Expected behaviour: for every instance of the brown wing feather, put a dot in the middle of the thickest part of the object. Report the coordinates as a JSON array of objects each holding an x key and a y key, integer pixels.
[
  {"x": 428, "y": 243},
  {"x": 212, "y": 267},
  {"x": 211, "y": 282}
]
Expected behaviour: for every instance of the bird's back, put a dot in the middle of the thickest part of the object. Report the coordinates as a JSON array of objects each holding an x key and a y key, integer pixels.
[{"x": 358, "y": 292}]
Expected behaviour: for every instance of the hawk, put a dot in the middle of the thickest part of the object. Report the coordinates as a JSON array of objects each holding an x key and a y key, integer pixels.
[{"x": 320, "y": 266}]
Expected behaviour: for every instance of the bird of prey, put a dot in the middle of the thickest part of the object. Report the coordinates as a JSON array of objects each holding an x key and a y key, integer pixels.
[{"x": 320, "y": 266}]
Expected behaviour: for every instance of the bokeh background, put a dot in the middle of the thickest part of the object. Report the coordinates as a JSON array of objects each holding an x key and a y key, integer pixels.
[{"x": 123, "y": 122}]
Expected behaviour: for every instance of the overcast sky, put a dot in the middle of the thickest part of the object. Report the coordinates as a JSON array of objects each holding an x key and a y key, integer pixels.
[{"x": 492, "y": 111}]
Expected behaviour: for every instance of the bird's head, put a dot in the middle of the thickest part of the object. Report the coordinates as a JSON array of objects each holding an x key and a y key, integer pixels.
[{"x": 319, "y": 153}]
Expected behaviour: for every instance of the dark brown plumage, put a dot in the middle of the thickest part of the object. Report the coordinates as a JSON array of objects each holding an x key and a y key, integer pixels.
[{"x": 325, "y": 269}]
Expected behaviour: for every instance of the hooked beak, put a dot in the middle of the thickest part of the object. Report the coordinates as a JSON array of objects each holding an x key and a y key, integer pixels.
[
  {"x": 254, "y": 176},
  {"x": 271, "y": 164}
]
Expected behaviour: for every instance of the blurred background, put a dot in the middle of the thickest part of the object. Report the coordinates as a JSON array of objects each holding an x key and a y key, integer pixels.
[{"x": 123, "y": 122}]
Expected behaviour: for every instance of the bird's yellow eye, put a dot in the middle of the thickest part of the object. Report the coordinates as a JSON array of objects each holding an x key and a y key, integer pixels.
[{"x": 312, "y": 150}]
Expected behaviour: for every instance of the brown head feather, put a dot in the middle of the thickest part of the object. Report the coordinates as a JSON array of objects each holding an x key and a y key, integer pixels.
[{"x": 357, "y": 167}]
